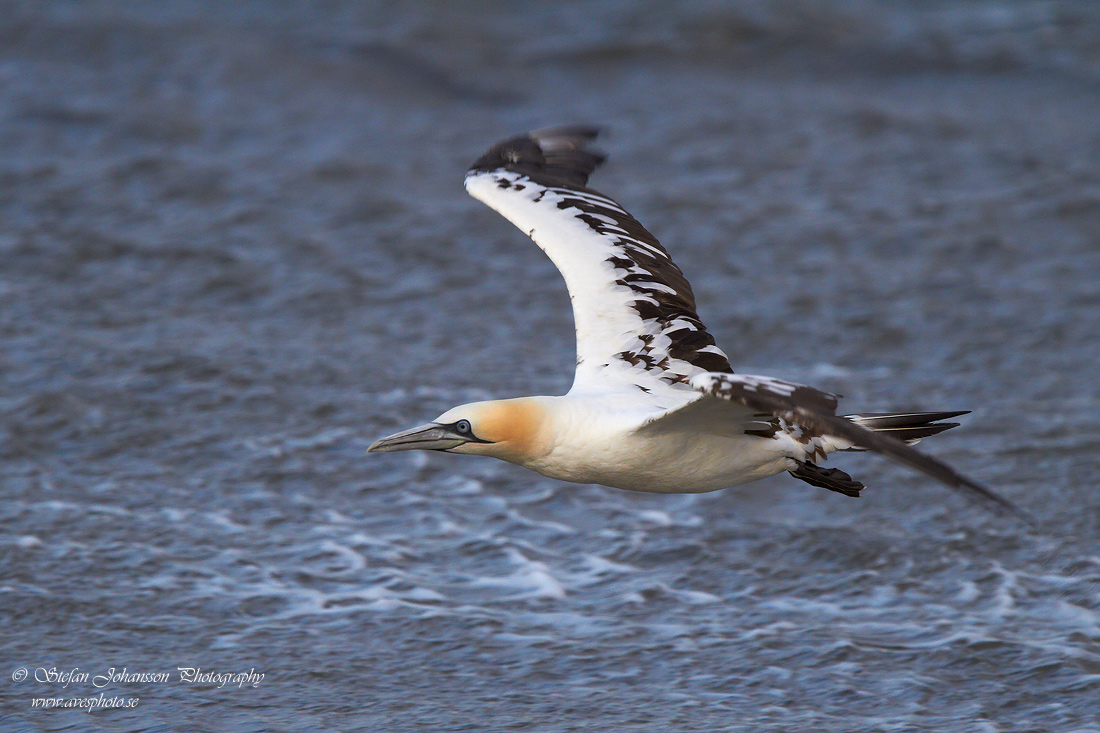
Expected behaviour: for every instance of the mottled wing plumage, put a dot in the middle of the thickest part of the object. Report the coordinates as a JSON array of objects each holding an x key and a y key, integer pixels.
[
  {"x": 633, "y": 308},
  {"x": 810, "y": 415}
]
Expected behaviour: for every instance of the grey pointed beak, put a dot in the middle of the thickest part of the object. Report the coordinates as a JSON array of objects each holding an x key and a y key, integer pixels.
[{"x": 423, "y": 437}]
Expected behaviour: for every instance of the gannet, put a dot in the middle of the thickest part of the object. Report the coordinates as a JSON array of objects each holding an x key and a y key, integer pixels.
[{"x": 654, "y": 405}]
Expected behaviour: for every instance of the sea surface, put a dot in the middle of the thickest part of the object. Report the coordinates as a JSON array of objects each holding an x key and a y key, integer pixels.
[{"x": 235, "y": 250}]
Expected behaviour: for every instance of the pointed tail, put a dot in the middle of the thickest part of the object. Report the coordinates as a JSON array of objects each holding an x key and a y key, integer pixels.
[{"x": 909, "y": 427}]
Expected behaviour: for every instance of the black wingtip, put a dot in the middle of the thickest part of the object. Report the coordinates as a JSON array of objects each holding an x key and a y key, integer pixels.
[
  {"x": 553, "y": 156},
  {"x": 995, "y": 501},
  {"x": 572, "y": 135}
]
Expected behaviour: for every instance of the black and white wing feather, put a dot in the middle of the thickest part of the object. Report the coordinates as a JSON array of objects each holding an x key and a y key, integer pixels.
[{"x": 633, "y": 308}]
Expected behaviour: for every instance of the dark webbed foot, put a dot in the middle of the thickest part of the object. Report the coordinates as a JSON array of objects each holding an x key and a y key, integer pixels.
[{"x": 832, "y": 479}]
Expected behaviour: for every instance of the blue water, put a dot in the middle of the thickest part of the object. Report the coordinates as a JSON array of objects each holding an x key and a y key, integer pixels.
[{"x": 235, "y": 250}]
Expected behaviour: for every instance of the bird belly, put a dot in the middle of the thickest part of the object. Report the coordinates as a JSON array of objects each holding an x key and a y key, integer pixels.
[{"x": 676, "y": 463}]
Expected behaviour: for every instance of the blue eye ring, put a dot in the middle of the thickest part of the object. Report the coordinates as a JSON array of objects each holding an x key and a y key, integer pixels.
[{"x": 463, "y": 427}]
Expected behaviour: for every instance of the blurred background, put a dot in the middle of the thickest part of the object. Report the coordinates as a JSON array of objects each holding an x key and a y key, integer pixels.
[{"x": 235, "y": 249}]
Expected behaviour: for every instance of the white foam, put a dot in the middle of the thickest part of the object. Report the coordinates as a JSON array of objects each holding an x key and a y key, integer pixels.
[
  {"x": 601, "y": 565},
  {"x": 515, "y": 516},
  {"x": 464, "y": 486},
  {"x": 968, "y": 592},
  {"x": 532, "y": 579},
  {"x": 61, "y": 506},
  {"x": 656, "y": 517},
  {"x": 222, "y": 520},
  {"x": 334, "y": 517},
  {"x": 355, "y": 561}
]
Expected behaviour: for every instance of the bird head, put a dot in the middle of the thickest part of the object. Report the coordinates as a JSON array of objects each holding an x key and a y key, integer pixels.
[{"x": 505, "y": 429}]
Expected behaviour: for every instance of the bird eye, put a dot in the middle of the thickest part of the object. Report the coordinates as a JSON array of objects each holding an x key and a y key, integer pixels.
[{"x": 463, "y": 427}]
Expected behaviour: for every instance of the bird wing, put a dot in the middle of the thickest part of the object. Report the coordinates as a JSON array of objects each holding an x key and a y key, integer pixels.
[{"x": 633, "y": 308}]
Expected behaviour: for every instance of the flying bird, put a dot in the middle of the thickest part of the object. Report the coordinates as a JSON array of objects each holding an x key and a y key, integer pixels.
[{"x": 655, "y": 405}]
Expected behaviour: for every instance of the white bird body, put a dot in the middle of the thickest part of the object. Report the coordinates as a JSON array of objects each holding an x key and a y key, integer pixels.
[
  {"x": 655, "y": 405},
  {"x": 608, "y": 440}
]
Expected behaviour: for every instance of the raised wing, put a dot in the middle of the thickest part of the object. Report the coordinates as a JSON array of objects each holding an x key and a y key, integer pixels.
[
  {"x": 809, "y": 414},
  {"x": 633, "y": 309}
]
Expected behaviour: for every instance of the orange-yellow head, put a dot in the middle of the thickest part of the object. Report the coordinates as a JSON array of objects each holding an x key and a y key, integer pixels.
[{"x": 511, "y": 430}]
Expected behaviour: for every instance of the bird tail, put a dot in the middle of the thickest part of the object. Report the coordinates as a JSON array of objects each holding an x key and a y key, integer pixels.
[{"x": 909, "y": 427}]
